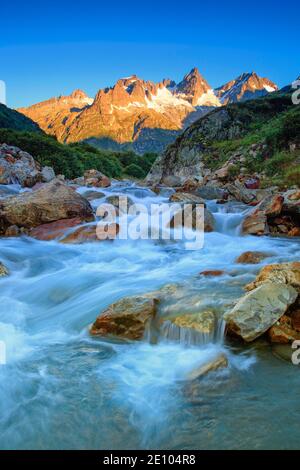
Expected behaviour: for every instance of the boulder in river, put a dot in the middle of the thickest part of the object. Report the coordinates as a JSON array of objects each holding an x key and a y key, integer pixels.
[
  {"x": 96, "y": 178},
  {"x": 208, "y": 222},
  {"x": 127, "y": 319},
  {"x": 252, "y": 257},
  {"x": 259, "y": 310},
  {"x": 53, "y": 201}
]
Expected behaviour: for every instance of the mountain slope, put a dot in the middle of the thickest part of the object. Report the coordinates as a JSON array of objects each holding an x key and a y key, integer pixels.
[{"x": 10, "y": 119}]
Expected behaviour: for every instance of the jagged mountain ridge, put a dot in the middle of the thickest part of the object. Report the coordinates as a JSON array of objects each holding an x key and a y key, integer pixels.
[{"x": 123, "y": 112}]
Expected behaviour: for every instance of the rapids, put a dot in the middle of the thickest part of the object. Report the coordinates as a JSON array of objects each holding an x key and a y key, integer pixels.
[{"x": 62, "y": 389}]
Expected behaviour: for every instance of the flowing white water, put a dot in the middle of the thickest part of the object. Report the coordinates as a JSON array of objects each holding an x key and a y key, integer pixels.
[{"x": 62, "y": 389}]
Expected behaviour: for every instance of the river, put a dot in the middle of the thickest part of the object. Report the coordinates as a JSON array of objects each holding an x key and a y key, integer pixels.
[{"x": 62, "y": 389}]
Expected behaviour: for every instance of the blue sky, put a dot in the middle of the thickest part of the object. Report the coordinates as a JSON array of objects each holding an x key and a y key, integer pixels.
[{"x": 50, "y": 49}]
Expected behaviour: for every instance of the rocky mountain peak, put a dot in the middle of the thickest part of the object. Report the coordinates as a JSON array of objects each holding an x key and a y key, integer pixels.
[
  {"x": 193, "y": 86},
  {"x": 246, "y": 86}
]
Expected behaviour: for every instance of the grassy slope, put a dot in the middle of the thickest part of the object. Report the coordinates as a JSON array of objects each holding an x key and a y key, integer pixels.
[{"x": 273, "y": 120}]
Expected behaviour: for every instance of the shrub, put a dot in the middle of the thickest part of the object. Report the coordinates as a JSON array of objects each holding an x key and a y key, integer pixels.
[
  {"x": 135, "y": 171},
  {"x": 73, "y": 159}
]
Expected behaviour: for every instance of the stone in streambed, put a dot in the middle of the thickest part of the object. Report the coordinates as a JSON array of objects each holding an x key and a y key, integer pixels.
[
  {"x": 212, "y": 273},
  {"x": 3, "y": 270},
  {"x": 121, "y": 203},
  {"x": 259, "y": 310},
  {"x": 252, "y": 257},
  {"x": 90, "y": 195},
  {"x": 186, "y": 198},
  {"x": 126, "y": 319},
  {"x": 208, "y": 222}
]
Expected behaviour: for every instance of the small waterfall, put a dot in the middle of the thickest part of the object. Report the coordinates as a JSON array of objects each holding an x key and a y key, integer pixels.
[
  {"x": 192, "y": 336},
  {"x": 229, "y": 222}
]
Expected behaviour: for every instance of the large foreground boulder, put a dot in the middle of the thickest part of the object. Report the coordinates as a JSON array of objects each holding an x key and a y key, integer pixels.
[
  {"x": 127, "y": 319},
  {"x": 259, "y": 310},
  {"x": 17, "y": 166},
  {"x": 53, "y": 201}
]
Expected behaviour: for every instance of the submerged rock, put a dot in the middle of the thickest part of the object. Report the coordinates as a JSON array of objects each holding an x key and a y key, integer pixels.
[
  {"x": 53, "y": 230},
  {"x": 121, "y": 203},
  {"x": 259, "y": 310},
  {"x": 212, "y": 273},
  {"x": 53, "y": 201},
  {"x": 127, "y": 319},
  {"x": 90, "y": 195},
  {"x": 252, "y": 257},
  {"x": 3, "y": 270},
  {"x": 88, "y": 234},
  {"x": 220, "y": 362}
]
